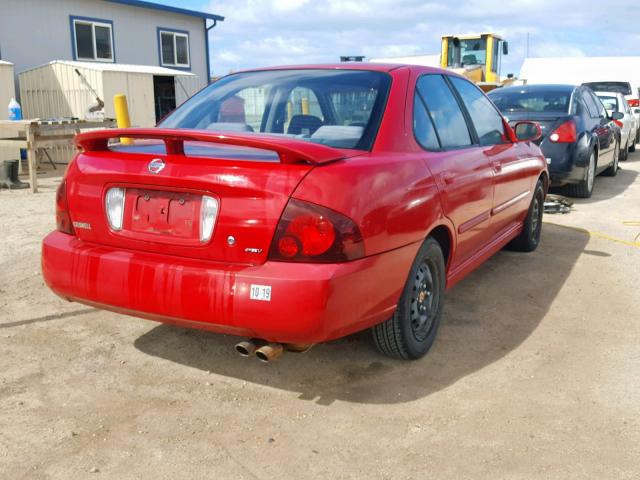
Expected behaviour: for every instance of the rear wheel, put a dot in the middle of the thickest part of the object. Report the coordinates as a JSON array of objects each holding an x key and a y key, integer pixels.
[
  {"x": 529, "y": 238},
  {"x": 634, "y": 140},
  {"x": 410, "y": 332},
  {"x": 612, "y": 171},
  {"x": 584, "y": 189}
]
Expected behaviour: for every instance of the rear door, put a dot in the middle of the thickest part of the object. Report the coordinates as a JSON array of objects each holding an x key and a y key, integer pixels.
[
  {"x": 512, "y": 165},
  {"x": 602, "y": 128},
  {"x": 462, "y": 172}
]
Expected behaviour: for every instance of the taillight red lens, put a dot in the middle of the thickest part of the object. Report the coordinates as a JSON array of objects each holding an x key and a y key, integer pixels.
[
  {"x": 565, "y": 133},
  {"x": 63, "y": 220},
  {"x": 310, "y": 233},
  {"x": 634, "y": 102}
]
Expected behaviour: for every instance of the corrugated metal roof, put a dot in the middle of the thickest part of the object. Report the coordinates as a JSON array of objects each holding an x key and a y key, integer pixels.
[{"x": 119, "y": 67}]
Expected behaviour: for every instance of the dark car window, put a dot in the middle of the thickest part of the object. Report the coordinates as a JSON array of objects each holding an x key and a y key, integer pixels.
[
  {"x": 423, "y": 126},
  {"x": 444, "y": 112},
  {"x": 592, "y": 107},
  {"x": 600, "y": 110},
  {"x": 340, "y": 108},
  {"x": 486, "y": 120},
  {"x": 617, "y": 87},
  {"x": 528, "y": 99}
]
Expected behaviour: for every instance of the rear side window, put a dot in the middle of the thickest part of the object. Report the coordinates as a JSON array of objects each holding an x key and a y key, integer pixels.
[
  {"x": 591, "y": 104},
  {"x": 444, "y": 111},
  {"x": 486, "y": 120},
  {"x": 422, "y": 125}
]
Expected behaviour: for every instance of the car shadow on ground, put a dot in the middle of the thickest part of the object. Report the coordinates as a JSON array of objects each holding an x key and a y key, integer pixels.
[{"x": 487, "y": 315}]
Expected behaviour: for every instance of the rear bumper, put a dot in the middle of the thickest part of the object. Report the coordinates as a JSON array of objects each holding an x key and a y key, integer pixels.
[
  {"x": 309, "y": 302},
  {"x": 566, "y": 165}
]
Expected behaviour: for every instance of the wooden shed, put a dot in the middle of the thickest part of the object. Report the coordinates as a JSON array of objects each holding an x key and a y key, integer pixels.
[
  {"x": 63, "y": 88},
  {"x": 7, "y": 92}
]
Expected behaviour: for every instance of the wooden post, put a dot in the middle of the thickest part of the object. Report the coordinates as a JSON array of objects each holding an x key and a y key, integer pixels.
[{"x": 31, "y": 158}]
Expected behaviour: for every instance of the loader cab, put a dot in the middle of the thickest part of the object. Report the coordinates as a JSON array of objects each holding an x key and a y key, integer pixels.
[{"x": 477, "y": 57}]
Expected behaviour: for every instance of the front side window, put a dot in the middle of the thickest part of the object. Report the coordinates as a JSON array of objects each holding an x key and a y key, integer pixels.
[
  {"x": 174, "y": 48},
  {"x": 444, "y": 111},
  {"x": 339, "y": 108},
  {"x": 92, "y": 39},
  {"x": 486, "y": 120}
]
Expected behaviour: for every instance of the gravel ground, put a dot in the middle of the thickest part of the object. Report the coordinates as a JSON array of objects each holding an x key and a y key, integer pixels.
[{"x": 535, "y": 374}]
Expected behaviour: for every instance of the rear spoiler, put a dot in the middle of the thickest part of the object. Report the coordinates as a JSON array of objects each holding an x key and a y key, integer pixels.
[{"x": 290, "y": 150}]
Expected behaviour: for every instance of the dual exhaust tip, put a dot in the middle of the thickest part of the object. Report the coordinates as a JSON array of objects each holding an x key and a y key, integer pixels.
[{"x": 266, "y": 352}]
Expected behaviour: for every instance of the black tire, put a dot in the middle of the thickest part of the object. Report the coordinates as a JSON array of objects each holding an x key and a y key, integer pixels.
[
  {"x": 410, "y": 332},
  {"x": 624, "y": 153},
  {"x": 632, "y": 147},
  {"x": 529, "y": 238},
  {"x": 584, "y": 189},
  {"x": 612, "y": 171},
  {"x": 637, "y": 139}
]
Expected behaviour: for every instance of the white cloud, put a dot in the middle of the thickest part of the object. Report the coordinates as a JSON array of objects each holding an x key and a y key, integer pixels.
[{"x": 269, "y": 32}]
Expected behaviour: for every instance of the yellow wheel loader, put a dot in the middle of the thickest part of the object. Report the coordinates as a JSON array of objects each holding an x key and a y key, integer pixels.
[{"x": 476, "y": 56}]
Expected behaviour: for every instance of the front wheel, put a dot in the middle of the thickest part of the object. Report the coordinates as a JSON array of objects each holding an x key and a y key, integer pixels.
[
  {"x": 529, "y": 238},
  {"x": 410, "y": 332},
  {"x": 624, "y": 153}
]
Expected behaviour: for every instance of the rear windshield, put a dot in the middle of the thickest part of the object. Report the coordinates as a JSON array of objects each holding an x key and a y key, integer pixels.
[
  {"x": 617, "y": 87},
  {"x": 340, "y": 108},
  {"x": 610, "y": 103},
  {"x": 526, "y": 100}
]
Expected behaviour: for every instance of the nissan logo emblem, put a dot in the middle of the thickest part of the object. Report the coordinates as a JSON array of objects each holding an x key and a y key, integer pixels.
[{"x": 155, "y": 166}]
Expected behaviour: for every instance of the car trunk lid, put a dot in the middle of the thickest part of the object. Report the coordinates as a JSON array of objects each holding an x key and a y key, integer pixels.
[{"x": 165, "y": 177}]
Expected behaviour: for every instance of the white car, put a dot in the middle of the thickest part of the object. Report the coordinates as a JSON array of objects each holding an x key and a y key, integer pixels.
[
  {"x": 615, "y": 102},
  {"x": 625, "y": 89}
]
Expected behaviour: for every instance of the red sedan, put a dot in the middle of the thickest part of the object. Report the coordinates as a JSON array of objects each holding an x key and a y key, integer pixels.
[{"x": 296, "y": 205}]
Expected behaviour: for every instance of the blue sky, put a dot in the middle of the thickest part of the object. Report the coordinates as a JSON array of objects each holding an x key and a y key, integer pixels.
[{"x": 275, "y": 32}]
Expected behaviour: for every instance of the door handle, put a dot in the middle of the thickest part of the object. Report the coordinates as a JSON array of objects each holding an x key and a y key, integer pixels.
[
  {"x": 448, "y": 178},
  {"x": 497, "y": 167}
]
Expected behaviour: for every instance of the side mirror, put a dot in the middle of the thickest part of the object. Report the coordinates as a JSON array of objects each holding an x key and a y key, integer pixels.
[
  {"x": 527, "y": 131},
  {"x": 617, "y": 116},
  {"x": 505, "y": 48}
]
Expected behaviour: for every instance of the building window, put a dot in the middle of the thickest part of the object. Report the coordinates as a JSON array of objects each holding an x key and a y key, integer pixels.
[
  {"x": 174, "y": 48},
  {"x": 92, "y": 39}
]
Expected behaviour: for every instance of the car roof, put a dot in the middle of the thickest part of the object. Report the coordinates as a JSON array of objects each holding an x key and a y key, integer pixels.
[
  {"x": 368, "y": 66},
  {"x": 549, "y": 87}
]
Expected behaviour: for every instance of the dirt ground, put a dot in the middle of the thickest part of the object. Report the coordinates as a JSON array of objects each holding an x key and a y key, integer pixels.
[{"x": 535, "y": 374}]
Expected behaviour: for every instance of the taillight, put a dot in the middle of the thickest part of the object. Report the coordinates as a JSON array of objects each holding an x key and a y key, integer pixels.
[
  {"x": 63, "y": 220},
  {"x": 310, "y": 233},
  {"x": 114, "y": 205},
  {"x": 565, "y": 133},
  {"x": 618, "y": 123},
  {"x": 634, "y": 102},
  {"x": 208, "y": 214}
]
